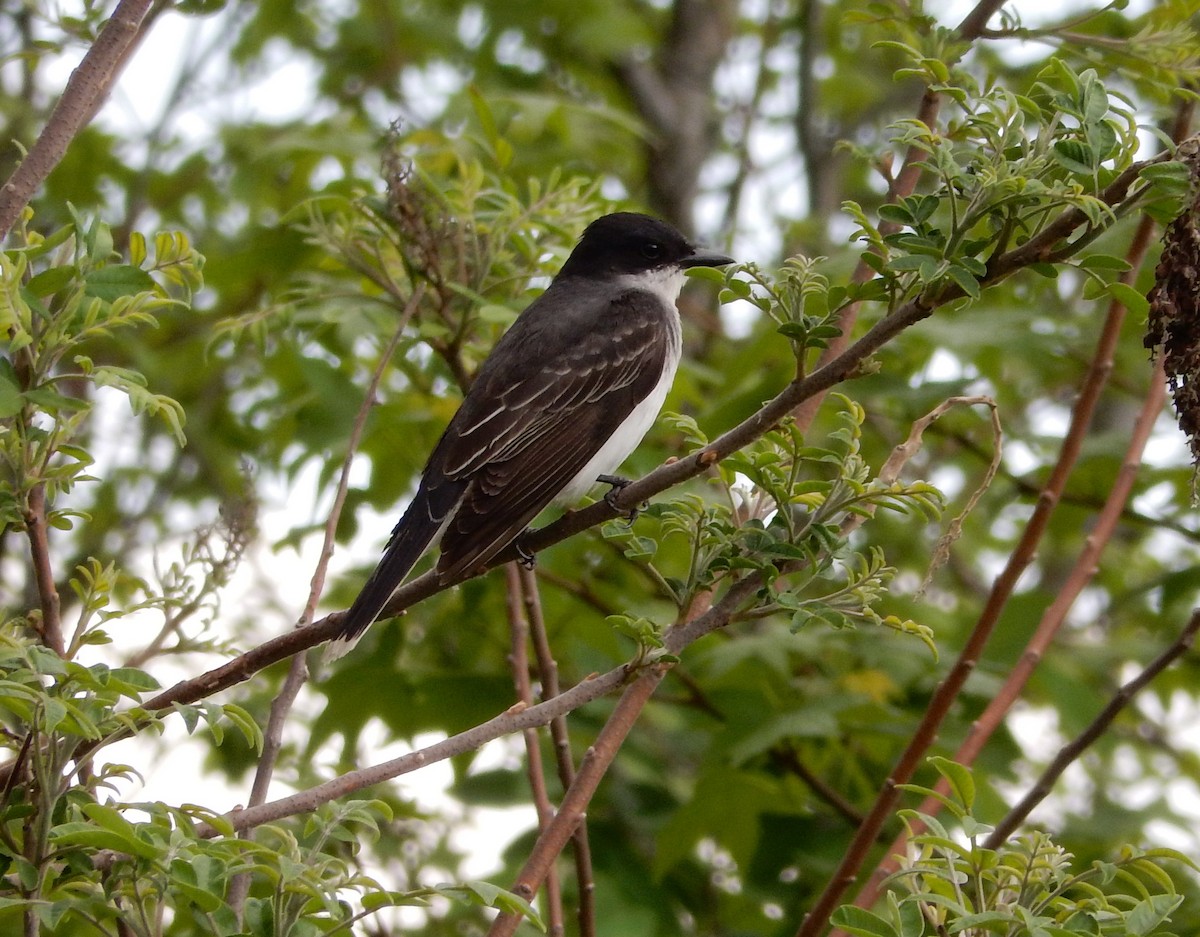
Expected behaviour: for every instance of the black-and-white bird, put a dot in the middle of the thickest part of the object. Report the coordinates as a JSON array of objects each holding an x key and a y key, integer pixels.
[{"x": 565, "y": 396}]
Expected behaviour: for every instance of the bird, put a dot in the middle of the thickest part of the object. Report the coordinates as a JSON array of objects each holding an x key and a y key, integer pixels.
[{"x": 564, "y": 397}]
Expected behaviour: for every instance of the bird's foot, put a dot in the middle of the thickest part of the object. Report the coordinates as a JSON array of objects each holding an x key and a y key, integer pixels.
[
  {"x": 525, "y": 557},
  {"x": 619, "y": 484}
]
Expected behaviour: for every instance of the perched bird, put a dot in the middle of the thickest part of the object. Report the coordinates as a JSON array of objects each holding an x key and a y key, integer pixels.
[{"x": 567, "y": 393}]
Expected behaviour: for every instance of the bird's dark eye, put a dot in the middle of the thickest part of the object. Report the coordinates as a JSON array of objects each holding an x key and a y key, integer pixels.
[{"x": 652, "y": 250}]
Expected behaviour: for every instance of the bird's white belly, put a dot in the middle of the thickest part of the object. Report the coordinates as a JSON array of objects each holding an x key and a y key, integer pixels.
[{"x": 609, "y": 457}]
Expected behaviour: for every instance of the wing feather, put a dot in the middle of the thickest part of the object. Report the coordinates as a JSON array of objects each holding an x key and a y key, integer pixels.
[{"x": 556, "y": 415}]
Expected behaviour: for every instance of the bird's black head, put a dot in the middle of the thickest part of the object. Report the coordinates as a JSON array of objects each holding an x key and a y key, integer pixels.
[{"x": 629, "y": 243}]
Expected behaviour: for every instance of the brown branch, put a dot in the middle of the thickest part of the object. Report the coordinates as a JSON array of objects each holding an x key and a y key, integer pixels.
[
  {"x": 1084, "y": 568},
  {"x": 789, "y": 759},
  {"x": 597, "y": 760},
  {"x": 948, "y": 689},
  {"x": 572, "y": 810},
  {"x": 50, "y": 627},
  {"x": 903, "y": 185},
  {"x": 1070, "y": 752},
  {"x": 513, "y": 720},
  {"x": 273, "y": 740},
  {"x": 87, "y": 87},
  {"x": 548, "y": 672},
  {"x": 297, "y": 675},
  {"x": 518, "y": 625},
  {"x": 1041, "y": 246}
]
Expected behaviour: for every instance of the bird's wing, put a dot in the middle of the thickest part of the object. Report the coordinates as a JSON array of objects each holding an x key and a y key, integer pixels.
[{"x": 524, "y": 439}]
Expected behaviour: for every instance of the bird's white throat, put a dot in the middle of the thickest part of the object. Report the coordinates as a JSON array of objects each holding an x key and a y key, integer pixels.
[{"x": 665, "y": 282}]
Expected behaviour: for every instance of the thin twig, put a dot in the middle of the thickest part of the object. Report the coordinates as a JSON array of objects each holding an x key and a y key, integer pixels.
[
  {"x": 548, "y": 673},
  {"x": 1022, "y": 555},
  {"x": 1098, "y": 374},
  {"x": 88, "y": 85},
  {"x": 903, "y": 184},
  {"x": 572, "y": 812},
  {"x": 789, "y": 758},
  {"x": 1070, "y": 752},
  {"x": 512, "y": 720},
  {"x": 948, "y": 689},
  {"x": 518, "y": 626},
  {"x": 298, "y": 672}
]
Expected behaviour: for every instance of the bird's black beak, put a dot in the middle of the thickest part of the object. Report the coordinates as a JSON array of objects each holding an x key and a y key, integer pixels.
[{"x": 701, "y": 257}]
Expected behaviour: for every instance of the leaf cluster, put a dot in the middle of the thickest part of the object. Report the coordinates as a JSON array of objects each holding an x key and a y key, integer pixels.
[{"x": 954, "y": 884}]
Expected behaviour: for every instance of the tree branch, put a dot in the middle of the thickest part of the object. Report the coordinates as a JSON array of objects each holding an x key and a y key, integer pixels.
[
  {"x": 1085, "y": 565},
  {"x": 572, "y": 810},
  {"x": 518, "y": 625},
  {"x": 1070, "y": 752},
  {"x": 548, "y": 673},
  {"x": 513, "y": 720},
  {"x": 1022, "y": 555},
  {"x": 50, "y": 629},
  {"x": 88, "y": 85},
  {"x": 841, "y": 368},
  {"x": 298, "y": 672}
]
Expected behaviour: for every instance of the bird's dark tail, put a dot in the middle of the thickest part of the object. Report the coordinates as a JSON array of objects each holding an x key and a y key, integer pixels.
[{"x": 411, "y": 538}]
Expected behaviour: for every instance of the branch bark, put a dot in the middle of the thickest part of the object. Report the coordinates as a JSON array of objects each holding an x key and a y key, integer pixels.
[
  {"x": 86, "y": 89},
  {"x": 50, "y": 629},
  {"x": 1085, "y": 565},
  {"x": 548, "y": 674},
  {"x": 1070, "y": 752}
]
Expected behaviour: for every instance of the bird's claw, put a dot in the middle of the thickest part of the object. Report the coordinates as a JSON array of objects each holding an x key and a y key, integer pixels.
[
  {"x": 526, "y": 558},
  {"x": 619, "y": 484}
]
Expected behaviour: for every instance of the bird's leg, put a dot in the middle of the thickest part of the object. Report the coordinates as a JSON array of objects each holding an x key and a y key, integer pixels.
[
  {"x": 618, "y": 484},
  {"x": 526, "y": 558}
]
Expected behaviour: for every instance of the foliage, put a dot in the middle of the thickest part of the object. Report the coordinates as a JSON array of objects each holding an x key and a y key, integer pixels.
[
  {"x": 949, "y": 215},
  {"x": 957, "y": 885}
]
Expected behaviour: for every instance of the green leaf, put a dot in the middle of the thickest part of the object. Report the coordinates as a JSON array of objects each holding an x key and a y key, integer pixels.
[
  {"x": 1133, "y": 301},
  {"x": 51, "y": 280},
  {"x": 964, "y": 279},
  {"x": 1075, "y": 156},
  {"x": 95, "y": 837},
  {"x": 110, "y": 283},
  {"x": 861, "y": 922},
  {"x": 712, "y": 274},
  {"x": 11, "y": 400},
  {"x": 1104, "y": 262},
  {"x": 246, "y": 724},
  {"x": 961, "y": 782},
  {"x": 1149, "y": 913}
]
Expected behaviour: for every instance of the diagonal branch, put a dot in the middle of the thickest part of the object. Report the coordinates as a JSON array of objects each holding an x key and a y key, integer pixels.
[
  {"x": 548, "y": 674},
  {"x": 1085, "y": 565},
  {"x": 1070, "y": 752},
  {"x": 519, "y": 627},
  {"x": 298, "y": 672},
  {"x": 573, "y": 809},
  {"x": 903, "y": 184},
  {"x": 572, "y": 812},
  {"x": 939, "y": 706},
  {"x": 515, "y": 719},
  {"x": 86, "y": 89}
]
